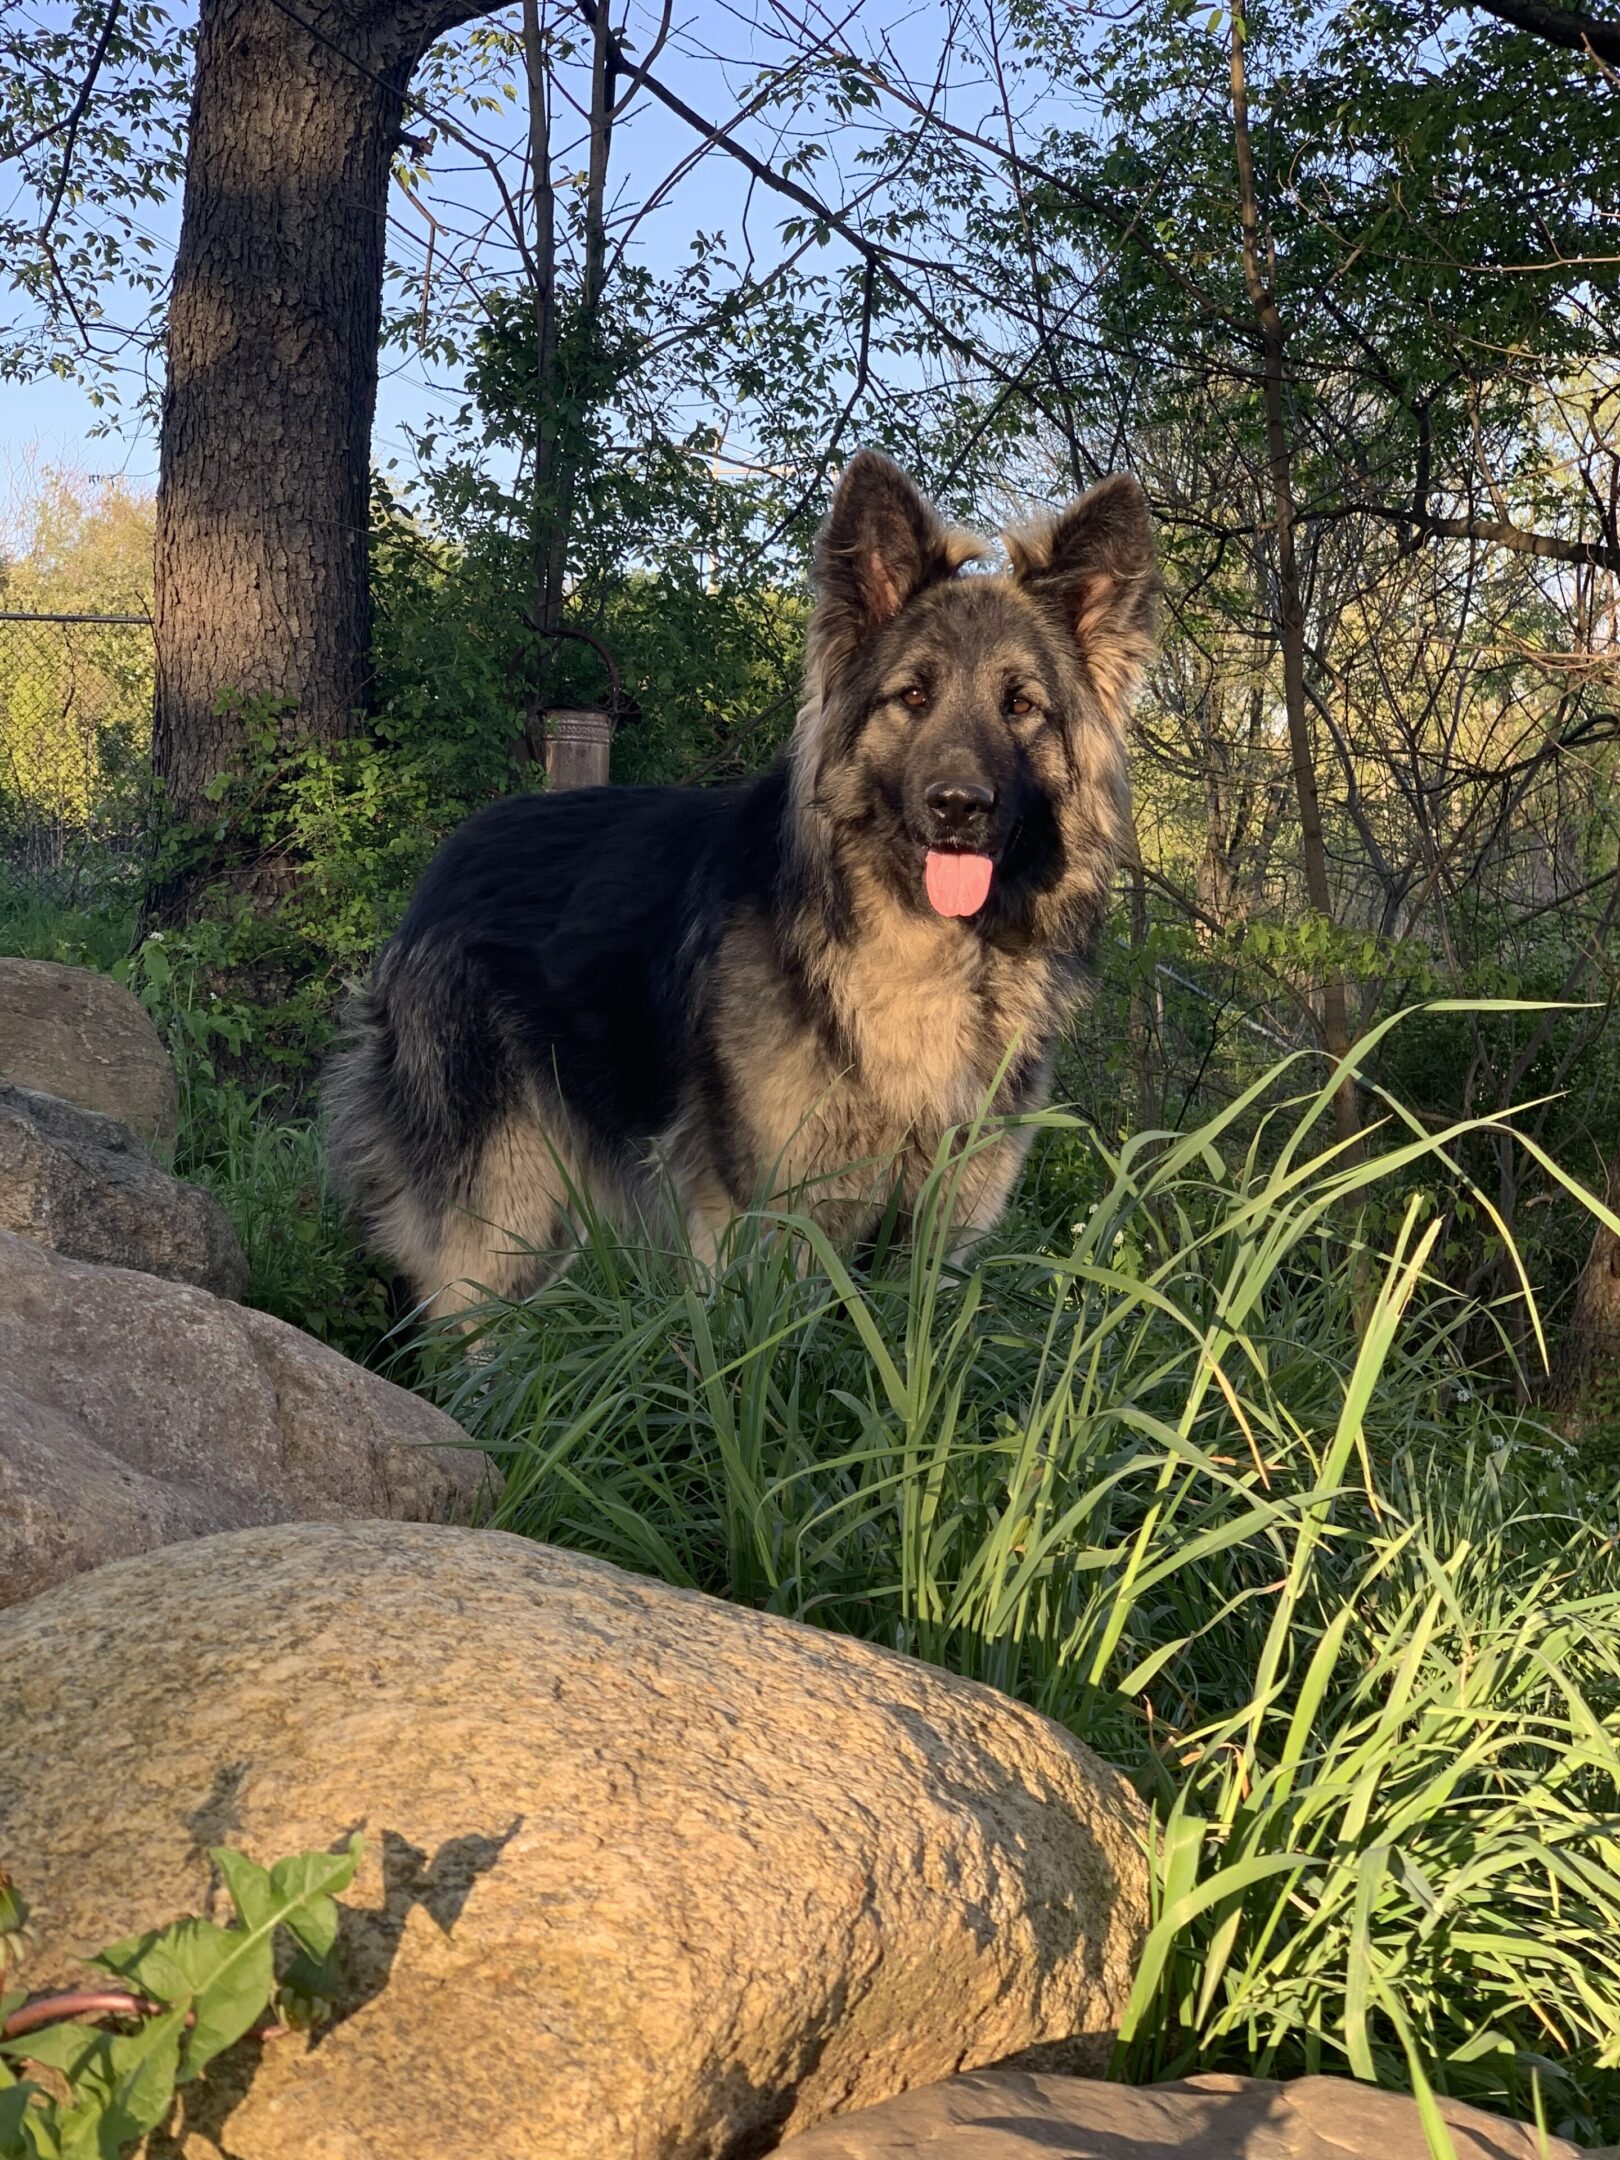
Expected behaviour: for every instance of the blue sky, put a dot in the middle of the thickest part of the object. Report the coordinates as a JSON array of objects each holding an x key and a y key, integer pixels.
[{"x": 53, "y": 422}]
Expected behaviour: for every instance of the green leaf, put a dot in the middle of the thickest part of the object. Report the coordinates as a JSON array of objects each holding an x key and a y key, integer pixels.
[
  {"x": 226, "y": 1972},
  {"x": 131, "y": 2089},
  {"x": 67, "y": 2047},
  {"x": 229, "y": 1972},
  {"x": 305, "y": 1886},
  {"x": 16, "y": 2093},
  {"x": 248, "y": 1884}
]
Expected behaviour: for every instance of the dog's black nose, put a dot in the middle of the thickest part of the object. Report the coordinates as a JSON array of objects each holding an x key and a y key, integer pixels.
[{"x": 959, "y": 803}]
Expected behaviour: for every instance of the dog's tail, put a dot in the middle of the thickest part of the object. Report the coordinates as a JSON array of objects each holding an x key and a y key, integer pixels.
[{"x": 400, "y": 1096}]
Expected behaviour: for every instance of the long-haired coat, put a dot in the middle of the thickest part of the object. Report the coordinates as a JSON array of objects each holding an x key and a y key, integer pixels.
[{"x": 794, "y": 987}]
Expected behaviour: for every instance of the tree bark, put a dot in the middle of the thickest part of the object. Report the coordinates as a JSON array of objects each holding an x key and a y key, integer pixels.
[
  {"x": 262, "y": 590},
  {"x": 1291, "y": 609}
]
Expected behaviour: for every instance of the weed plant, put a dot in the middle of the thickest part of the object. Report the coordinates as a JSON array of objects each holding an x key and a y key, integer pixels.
[
  {"x": 1210, "y": 1478},
  {"x": 305, "y": 1262}
]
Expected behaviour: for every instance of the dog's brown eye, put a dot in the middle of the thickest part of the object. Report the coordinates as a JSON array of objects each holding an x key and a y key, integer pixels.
[
  {"x": 913, "y": 698},
  {"x": 1020, "y": 706}
]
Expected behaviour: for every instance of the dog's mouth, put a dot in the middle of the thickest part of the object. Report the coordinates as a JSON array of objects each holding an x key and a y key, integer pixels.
[{"x": 958, "y": 883}]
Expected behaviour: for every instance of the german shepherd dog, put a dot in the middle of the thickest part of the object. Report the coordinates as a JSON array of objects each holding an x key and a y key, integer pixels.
[{"x": 794, "y": 988}]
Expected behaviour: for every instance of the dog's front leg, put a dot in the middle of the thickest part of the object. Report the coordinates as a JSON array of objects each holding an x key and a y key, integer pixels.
[
  {"x": 978, "y": 1189},
  {"x": 708, "y": 1212}
]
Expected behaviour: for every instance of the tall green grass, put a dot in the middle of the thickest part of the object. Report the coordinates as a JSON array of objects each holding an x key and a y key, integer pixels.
[
  {"x": 93, "y": 930},
  {"x": 1210, "y": 1476},
  {"x": 306, "y": 1262},
  {"x": 258, "y": 1146}
]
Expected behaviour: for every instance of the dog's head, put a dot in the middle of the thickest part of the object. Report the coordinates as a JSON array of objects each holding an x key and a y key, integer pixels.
[{"x": 967, "y": 733}]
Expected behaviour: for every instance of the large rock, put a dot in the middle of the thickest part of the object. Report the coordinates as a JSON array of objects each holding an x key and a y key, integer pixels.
[
  {"x": 82, "y": 1184},
  {"x": 135, "y": 1412},
  {"x": 647, "y": 1876},
  {"x": 1011, "y": 2115},
  {"x": 70, "y": 1032}
]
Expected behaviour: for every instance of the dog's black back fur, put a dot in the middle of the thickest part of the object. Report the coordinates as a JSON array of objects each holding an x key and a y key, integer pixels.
[{"x": 585, "y": 921}]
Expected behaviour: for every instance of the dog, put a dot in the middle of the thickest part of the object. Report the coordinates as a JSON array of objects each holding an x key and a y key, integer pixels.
[{"x": 789, "y": 990}]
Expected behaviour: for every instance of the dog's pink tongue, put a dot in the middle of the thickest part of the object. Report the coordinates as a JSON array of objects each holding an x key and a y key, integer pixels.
[{"x": 957, "y": 884}]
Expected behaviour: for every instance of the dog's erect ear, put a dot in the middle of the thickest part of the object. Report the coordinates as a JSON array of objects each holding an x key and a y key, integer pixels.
[
  {"x": 880, "y": 546},
  {"x": 1094, "y": 564}
]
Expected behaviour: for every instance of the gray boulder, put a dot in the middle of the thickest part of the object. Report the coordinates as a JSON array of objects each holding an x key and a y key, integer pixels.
[
  {"x": 83, "y": 1184},
  {"x": 1013, "y": 2115},
  {"x": 70, "y": 1032},
  {"x": 136, "y": 1412},
  {"x": 646, "y": 1876}
]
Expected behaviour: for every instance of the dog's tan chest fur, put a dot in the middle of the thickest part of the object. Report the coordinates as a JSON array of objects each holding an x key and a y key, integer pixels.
[
  {"x": 913, "y": 999},
  {"x": 907, "y": 994}
]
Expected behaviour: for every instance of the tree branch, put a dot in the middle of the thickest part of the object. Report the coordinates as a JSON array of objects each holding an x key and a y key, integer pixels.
[
  {"x": 882, "y": 259},
  {"x": 1496, "y": 532},
  {"x": 80, "y": 104},
  {"x": 1558, "y": 26}
]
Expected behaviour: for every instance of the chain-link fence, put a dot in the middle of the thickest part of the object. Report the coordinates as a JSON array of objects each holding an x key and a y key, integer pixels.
[{"x": 75, "y": 732}]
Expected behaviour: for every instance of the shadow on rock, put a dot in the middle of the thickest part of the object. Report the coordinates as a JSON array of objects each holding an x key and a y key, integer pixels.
[
  {"x": 1051, "y": 1846},
  {"x": 369, "y": 1936},
  {"x": 208, "y": 2105},
  {"x": 367, "y": 1945}
]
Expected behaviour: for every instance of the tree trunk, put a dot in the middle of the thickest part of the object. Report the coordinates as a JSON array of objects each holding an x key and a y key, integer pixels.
[
  {"x": 262, "y": 592},
  {"x": 1291, "y": 609}
]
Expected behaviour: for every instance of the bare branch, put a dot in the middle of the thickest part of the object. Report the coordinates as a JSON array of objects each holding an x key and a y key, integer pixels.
[{"x": 1496, "y": 532}]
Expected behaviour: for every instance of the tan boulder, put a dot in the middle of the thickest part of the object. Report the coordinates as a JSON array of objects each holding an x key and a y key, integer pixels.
[
  {"x": 1012, "y": 2115},
  {"x": 83, "y": 1184},
  {"x": 136, "y": 1412},
  {"x": 647, "y": 1876},
  {"x": 70, "y": 1032}
]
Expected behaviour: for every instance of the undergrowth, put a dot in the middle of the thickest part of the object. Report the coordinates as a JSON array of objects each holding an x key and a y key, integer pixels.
[
  {"x": 1201, "y": 1456},
  {"x": 306, "y": 1263},
  {"x": 1212, "y": 1478}
]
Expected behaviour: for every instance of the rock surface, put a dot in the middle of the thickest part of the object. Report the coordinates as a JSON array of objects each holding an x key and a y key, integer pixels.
[
  {"x": 70, "y": 1032},
  {"x": 647, "y": 1876},
  {"x": 1012, "y": 2115},
  {"x": 136, "y": 1412},
  {"x": 83, "y": 1184}
]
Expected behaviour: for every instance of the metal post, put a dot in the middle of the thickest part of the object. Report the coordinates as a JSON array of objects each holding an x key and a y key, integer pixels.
[{"x": 577, "y": 745}]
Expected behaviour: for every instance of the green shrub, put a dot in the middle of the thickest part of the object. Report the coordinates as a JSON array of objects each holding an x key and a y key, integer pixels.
[
  {"x": 259, "y": 1148},
  {"x": 306, "y": 1263}
]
